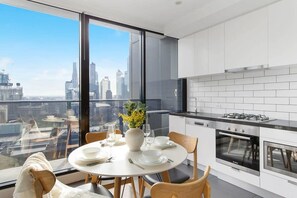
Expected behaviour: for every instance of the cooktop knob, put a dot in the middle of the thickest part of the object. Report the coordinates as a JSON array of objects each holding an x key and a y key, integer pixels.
[
  {"x": 228, "y": 128},
  {"x": 242, "y": 130},
  {"x": 235, "y": 129}
]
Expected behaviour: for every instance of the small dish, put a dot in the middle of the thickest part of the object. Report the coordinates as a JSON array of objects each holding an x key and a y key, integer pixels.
[
  {"x": 161, "y": 140},
  {"x": 151, "y": 155},
  {"x": 90, "y": 152},
  {"x": 142, "y": 161}
]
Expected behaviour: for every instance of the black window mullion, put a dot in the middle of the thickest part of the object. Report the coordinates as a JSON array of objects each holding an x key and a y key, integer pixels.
[{"x": 84, "y": 77}]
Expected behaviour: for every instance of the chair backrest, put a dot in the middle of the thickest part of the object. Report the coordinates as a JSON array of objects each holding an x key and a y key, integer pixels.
[
  {"x": 193, "y": 189},
  {"x": 97, "y": 136},
  {"x": 190, "y": 144},
  {"x": 43, "y": 182}
]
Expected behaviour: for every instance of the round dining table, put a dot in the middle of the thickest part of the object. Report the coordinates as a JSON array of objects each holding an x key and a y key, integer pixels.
[{"x": 120, "y": 165}]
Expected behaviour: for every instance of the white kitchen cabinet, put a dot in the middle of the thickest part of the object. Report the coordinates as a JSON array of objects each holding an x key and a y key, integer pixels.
[
  {"x": 246, "y": 40},
  {"x": 282, "y": 33},
  {"x": 201, "y": 53},
  {"x": 216, "y": 46},
  {"x": 206, "y": 142},
  {"x": 186, "y": 56},
  {"x": 177, "y": 124}
]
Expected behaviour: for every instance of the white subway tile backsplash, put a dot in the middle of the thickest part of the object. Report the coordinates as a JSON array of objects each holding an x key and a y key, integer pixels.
[
  {"x": 254, "y": 87},
  {"x": 287, "y": 108},
  {"x": 244, "y": 81},
  {"x": 266, "y": 79},
  {"x": 264, "y": 93},
  {"x": 226, "y": 82},
  {"x": 287, "y": 78},
  {"x": 293, "y": 116},
  {"x": 265, "y": 107},
  {"x": 218, "y": 99},
  {"x": 276, "y": 101},
  {"x": 275, "y": 72},
  {"x": 211, "y": 83},
  {"x": 255, "y": 73},
  {"x": 272, "y": 92},
  {"x": 293, "y": 85},
  {"x": 234, "y": 100},
  {"x": 293, "y": 100},
  {"x": 234, "y": 76},
  {"x": 277, "y": 115},
  {"x": 243, "y": 106},
  {"x": 227, "y": 94},
  {"x": 276, "y": 86},
  {"x": 254, "y": 100},
  {"x": 244, "y": 93},
  {"x": 287, "y": 93},
  {"x": 234, "y": 87}
]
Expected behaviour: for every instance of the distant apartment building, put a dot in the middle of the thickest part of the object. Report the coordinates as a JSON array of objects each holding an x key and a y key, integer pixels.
[{"x": 105, "y": 88}]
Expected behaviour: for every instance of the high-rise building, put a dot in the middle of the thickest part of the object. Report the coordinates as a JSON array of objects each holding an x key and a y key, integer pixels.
[
  {"x": 119, "y": 84},
  {"x": 74, "y": 76},
  {"x": 94, "y": 84},
  {"x": 109, "y": 94},
  {"x": 104, "y": 87}
]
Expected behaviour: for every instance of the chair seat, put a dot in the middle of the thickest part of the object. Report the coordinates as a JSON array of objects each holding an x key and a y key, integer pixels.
[
  {"x": 95, "y": 188},
  {"x": 176, "y": 176}
]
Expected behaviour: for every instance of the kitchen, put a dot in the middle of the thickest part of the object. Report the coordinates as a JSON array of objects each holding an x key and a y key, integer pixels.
[
  {"x": 240, "y": 69},
  {"x": 242, "y": 98}
]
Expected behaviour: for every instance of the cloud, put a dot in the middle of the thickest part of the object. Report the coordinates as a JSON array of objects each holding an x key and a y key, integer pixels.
[{"x": 5, "y": 62}]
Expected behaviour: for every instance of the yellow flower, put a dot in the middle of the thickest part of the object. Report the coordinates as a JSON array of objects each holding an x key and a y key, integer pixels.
[{"x": 135, "y": 114}]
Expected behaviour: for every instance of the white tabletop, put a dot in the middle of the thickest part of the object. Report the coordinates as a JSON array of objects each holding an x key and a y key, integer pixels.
[{"x": 120, "y": 166}]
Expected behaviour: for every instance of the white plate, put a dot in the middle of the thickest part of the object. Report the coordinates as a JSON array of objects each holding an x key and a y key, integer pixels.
[
  {"x": 169, "y": 144},
  {"x": 100, "y": 157},
  {"x": 141, "y": 160}
]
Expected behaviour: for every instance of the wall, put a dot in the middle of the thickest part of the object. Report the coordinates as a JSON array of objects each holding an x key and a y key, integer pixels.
[{"x": 272, "y": 92}]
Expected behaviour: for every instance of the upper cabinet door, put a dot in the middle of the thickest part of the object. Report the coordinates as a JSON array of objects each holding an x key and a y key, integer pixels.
[
  {"x": 283, "y": 33},
  {"x": 201, "y": 53},
  {"x": 186, "y": 54},
  {"x": 247, "y": 40},
  {"x": 216, "y": 46}
]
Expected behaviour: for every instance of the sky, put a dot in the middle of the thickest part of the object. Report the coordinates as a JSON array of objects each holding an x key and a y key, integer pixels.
[{"x": 38, "y": 50}]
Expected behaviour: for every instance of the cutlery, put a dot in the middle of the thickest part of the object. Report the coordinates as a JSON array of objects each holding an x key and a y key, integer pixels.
[
  {"x": 131, "y": 162},
  {"x": 169, "y": 160},
  {"x": 95, "y": 163}
]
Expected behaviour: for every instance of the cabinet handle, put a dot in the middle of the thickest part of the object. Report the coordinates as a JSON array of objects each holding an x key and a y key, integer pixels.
[
  {"x": 292, "y": 182},
  {"x": 199, "y": 123}
]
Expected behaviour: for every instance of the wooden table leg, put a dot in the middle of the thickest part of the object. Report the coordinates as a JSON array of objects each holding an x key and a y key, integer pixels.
[
  {"x": 165, "y": 176},
  {"x": 117, "y": 187}
]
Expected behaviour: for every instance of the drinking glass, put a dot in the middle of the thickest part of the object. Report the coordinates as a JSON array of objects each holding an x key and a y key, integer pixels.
[
  {"x": 110, "y": 138},
  {"x": 146, "y": 130},
  {"x": 150, "y": 138}
]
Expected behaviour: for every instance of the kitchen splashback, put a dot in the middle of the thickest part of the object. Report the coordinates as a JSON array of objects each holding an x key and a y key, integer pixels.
[{"x": 272, "y": 92}]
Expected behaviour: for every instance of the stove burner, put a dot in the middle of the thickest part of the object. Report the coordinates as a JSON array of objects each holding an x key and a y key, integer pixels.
[{"x": 243, "y": 116}]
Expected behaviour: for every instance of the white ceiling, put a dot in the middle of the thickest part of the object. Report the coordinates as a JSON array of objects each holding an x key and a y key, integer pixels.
[{"x": 164, "y": 16}]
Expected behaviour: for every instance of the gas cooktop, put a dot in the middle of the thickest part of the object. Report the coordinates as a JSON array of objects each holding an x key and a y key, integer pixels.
[{"x": 247, "y": 117}]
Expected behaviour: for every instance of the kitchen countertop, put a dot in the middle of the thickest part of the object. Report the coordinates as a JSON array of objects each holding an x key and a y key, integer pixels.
[{"x": 275, "y": 123}]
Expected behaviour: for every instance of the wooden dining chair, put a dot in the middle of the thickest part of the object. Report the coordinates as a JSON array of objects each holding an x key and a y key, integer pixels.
[
  {"x": 176, "y": 175},
  {"x": 97, "y": 136},
  {"x": 193, "y": 189},
  {"x": 71, "y": 125},
  {"x": 38, "y": 170}
]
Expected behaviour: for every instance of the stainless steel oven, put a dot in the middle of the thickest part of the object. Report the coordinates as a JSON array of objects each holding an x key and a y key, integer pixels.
[
  {"x": 280, "y": 158},
  {"x": 237, "y": 146}
]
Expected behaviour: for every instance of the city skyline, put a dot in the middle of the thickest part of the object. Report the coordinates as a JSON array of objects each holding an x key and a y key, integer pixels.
[{"x": 41, "y": 58}]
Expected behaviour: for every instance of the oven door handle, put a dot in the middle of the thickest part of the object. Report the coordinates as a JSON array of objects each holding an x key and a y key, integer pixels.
[{"x": 235, "y": 136}]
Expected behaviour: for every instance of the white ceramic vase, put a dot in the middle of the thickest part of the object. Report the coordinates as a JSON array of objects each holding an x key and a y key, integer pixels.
[{"x": 134, "y": 138}]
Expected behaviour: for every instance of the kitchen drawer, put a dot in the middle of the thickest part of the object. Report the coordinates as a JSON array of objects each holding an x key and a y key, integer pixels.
[
  {"x": 237, "y": 174},
  {"x": 278, "y": 185}
]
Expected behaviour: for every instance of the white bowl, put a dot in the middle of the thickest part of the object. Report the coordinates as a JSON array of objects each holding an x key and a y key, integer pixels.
[
  {"x": 90, "y": 152},
  {"x": 161, "y": 140},
  {"x": 151, "y": 155}
]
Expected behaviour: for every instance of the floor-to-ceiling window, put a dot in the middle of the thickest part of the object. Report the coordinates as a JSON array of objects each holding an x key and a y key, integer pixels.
[
  {"x": 115, "y": 72},
  {"x": 42, "y": 87},
  {"x": 39, "y": 86},
  {"x": 164, "y": 91}
]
